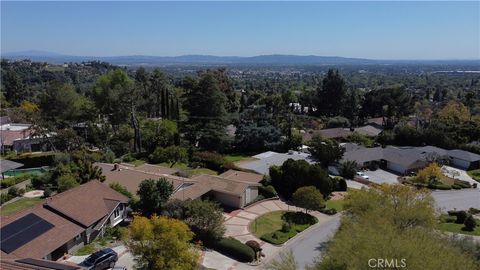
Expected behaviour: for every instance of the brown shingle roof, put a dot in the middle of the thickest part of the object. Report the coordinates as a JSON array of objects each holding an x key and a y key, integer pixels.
[
  {"x": 34, "y": 264},
  {"x": 86, "y": 203},
  {"x": 62, "y": 232},
  {"x": 242, "y": 176},
  {"x": 130, "y": 177}
]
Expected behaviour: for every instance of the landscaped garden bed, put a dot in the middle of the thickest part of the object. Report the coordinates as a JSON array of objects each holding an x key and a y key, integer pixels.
[
  {"x": 462, "y": 222},
  {"x": 279, "y": 226}
]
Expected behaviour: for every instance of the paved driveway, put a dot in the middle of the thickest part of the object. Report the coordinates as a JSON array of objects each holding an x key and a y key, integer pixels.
[
  {"x": 237, "y": 223},
  {"x": 380, "y": 176},
  {"x": 459, "y": 174},
  {"x": 460, "y": 199},
  {"x": 311, "y": 245}
]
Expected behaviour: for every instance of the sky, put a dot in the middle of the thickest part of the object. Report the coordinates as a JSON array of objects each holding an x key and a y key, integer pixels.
[{"x": 374, "y": 30}]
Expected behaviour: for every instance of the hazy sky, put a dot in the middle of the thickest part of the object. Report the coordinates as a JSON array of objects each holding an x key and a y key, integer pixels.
[{"x": 378, "y": 30}]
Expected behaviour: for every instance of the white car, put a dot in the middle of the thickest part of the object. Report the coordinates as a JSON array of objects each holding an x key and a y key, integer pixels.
[{"x": 361, "y": 174}]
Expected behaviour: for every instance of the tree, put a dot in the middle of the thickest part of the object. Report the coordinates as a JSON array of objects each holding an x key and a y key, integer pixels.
[
  {"x": 66, "y": 182},
  {"x": 348, "y": 169},
  {"x": 325, "y": 151},
  {"x": 470, "y": 223},
  {"x": 332, "y": 94},
  {"x": 153, "y": 195},
  {"x": 285, "y": 261},
  {"x": 454, "y": 113},
  {"x": 87, "y": 171},
  {"x": 15, "y": 91},
  {"x": 207, "y": 105},
  {"x": 309, "y": 198},
  {"x": 256, "y": 131},
  {"x": 430, "y": 174},
  {"x": 161, "y": 243},
  {"x": 171, "y": 154},
  {"x": 157, "y": 133},
  {"x": 393, "y": 222},
  {"x": 121, "y": 189},
  {"x": 206, "y": 220},
  {"x": 294, "y": 174}
]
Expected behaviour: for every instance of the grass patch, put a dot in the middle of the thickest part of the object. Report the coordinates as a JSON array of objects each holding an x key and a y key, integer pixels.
[
  {"x": 137, "y": 162},
  {"x": 235, "y": 158},
  {"x": 336, "y": 204},
  {"x": 86, "y": 250},
  {"x": 457, "y": 228},
  {"x": 19, "y": 205},
  {"x": 189, "y": 171},
  {"x": 475, "y": 174},
  {"x": 279, "y": 226}
]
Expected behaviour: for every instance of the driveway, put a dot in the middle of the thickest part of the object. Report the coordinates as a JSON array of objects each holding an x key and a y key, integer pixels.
[
  {"x": 236, "y": 224},
  {"x": 460, "y": 199},
  {"x": 459, "y": 174},
  {"x": 311, "y": 245},
  {"x": 380, "y": 176}
]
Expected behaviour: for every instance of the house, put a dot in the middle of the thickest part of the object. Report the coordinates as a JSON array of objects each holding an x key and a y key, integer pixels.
[
  {"x": 35, "y": 264},
  {"x": 232, "y": 188},
  {"x": 228, "y": 192},
  {"x": 264, "y": 161},
  {"x": 405, "y": 159},
  {"x": 10, "y": 132},
  {"x": 64, "y": 223}
]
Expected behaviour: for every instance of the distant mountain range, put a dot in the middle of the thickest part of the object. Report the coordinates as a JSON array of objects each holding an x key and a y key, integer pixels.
[{"x": 273, "y": 59}]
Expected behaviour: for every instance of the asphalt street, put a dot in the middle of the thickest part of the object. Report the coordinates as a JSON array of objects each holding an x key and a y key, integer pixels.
[{"x": 312, "y": 243}]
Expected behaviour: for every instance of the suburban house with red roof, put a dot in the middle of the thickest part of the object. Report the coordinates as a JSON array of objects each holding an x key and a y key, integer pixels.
[{"x": 64, "y": 223}]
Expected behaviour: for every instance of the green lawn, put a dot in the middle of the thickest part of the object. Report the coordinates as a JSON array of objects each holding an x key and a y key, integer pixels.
[
  {"x": 188, "y": 170},
  {"x": 137, "y": 162},
  {"x": 235, "y": 158},
  {"x": 457, "y": 228},
  {"x": 475, "y": 174},
  {"x": 269, "y": 227},
  {"x": 336, "y": 204},
  {"x": 19, "y": 205},
  {"x": 267, "y": 223}
]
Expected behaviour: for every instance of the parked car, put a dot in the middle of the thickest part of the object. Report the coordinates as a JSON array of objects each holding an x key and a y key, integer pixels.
[
  {"x": 101, "y": 259},
  {"x": 364, "y": 176}
]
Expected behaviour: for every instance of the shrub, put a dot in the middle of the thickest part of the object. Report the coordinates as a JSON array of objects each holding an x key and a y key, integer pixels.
[
  {"x": 469, "y": 223},
  {"x": 235, "y": 249},
  {"x": 10, "y": 181},
  {"x": 461, "y": 217},
  {"x": 462, "y": 184},
  {"x": 341, "y": 184},
  {"x": 286, "y": 227},
  {"x": 299, "y": 218},
  {"x": 36, "y": 160},
  {"x": 254, "y": 245},
  {"x": 456, "y": 187},
  {"x": 13, "y": 191},
  {"x": 473, "y": 211},
  {"x": 440, "y": 186},
  {"x": 211, "y": 160},
  {"x": 5, "y": 198},
  {"x": 47, "y": 192},
  {"x": 330, "y": 211},
  {"x": 449, "y": 219},
  {"x": 268, "y": 191}
]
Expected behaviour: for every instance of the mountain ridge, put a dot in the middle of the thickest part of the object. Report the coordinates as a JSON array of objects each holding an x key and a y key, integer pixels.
[{"x": 272, "y": 59}]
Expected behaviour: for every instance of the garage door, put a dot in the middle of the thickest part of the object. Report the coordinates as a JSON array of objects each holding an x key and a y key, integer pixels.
[
  {"x": 460, "y": 163},
  {"x": 396, "y": 167}
]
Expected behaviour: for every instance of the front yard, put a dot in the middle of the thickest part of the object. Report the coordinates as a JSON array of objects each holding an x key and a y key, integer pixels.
[
  {"x": 457, "y": 228},
  {"x": 279, "y": 226},
  {"x": 19, "y": 205},
  {"x": 475, "y": 174},
  {"x": 335, "y": 204}
]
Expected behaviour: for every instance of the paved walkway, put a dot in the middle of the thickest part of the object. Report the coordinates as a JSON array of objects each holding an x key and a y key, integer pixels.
[{"x": 237, "y": 223}]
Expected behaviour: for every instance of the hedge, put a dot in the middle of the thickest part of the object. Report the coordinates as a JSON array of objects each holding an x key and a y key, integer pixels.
[
  {"x": 268, "y": 191},
  {"x": 10, "y": 181},
  {"x": 35, "y": 160},
  {"x": 462, "y": 184},
  {"x": 235, "y": 249}
]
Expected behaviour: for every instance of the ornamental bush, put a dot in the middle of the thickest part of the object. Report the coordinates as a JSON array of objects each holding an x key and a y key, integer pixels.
[{"x": 235, "y": 249}]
